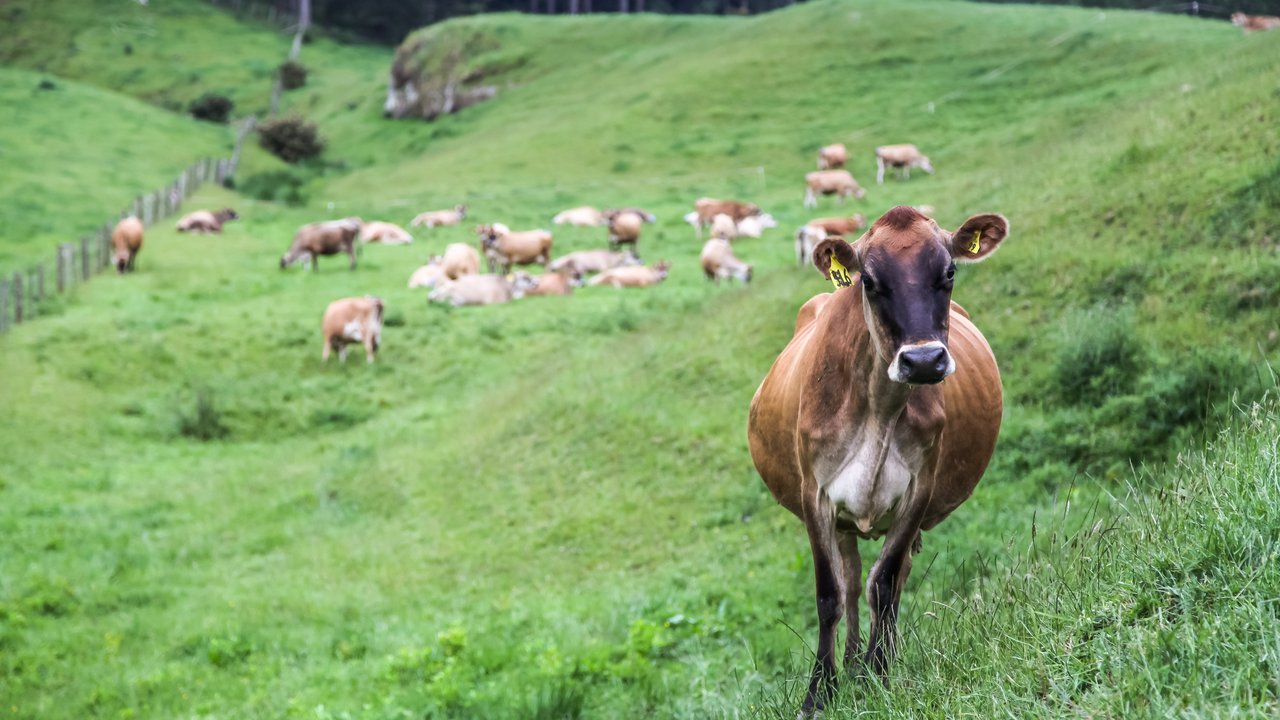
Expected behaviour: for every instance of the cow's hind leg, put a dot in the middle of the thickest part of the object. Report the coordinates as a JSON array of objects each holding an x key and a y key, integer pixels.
[
  {"x": 829, "y": 577},
  {"x": 853, "y": 589}
]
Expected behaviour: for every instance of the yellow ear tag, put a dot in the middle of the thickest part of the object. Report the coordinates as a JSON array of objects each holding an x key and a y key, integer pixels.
[
  {"x": 974, "y": 245},
  {"x": 839, "y": 274}
]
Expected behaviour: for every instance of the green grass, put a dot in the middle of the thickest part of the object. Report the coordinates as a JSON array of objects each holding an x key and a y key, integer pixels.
[{"x": 547, "y": 509}]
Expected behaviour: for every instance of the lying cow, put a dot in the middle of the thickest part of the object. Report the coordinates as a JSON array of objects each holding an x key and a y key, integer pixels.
[
  {"x": 755, "y": 225},
  {"x": 851, "y": 225},
  {"x": 903, "y": 157},
  {"x": 832, "y": 157},
  {"x": 479, "y": 290},
  {"x": 1254, "y": 23},
  {"x": 624, "y": 229},
  {"x": 723, "y": 228},
  {"x": 633, "y": 275},
  {"x": 203, "y": 221},
  {"x": 548, "y": 283},
  {"x": 831, "y": 182},
  {"x": 436, "y": 218},
  {"x": 385, "y": 233},
  {"x": 593, "y": 261},
  {"x": 706, "y": 210},
  {"x": 429, "y": 275},
  {"x": 579, "y": 216},
  {"x": 353, "y": 320},
  {"x": 459, "y": 259},
  {"x": 126, "y": 239},
  {"x": 719, "y": 262},
  {"x": 323, "y": 238},
  {"x": 504, "y": 248}
]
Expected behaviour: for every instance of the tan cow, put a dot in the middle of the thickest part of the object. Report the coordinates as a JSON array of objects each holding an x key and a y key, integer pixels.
[
  {"x": 633, "y": 276},
  {"x": 376, "y": 231},
  {"x": 323, "y": 238},
  {"x": 593, "y": 261},
  {"x": 611, "y": 213},
  {"x": 624, "y": 229},
  {"x": 851, "y": 225},
  {"x": 203, "y": 221},
  {"x": 437, "y": 218},
  {"x": 719, "y": 262},
  {"x": 755, "y": 225},
  {"x": 831, "y": 182},
  {"x": 707, "y": 209},
  {"x": 460, "y": 259},
  {"x": 579, "y": 216},
  {"x": 831, "y": 157},
  {"x": 903, "y": 157},
  {"x": 352, "y": 320},
  {"x": 552, "y": 282},
  {"x": 429, "y": 275},
  {"x": 504, "y": 248},
  {"x": 1254, "y": 23},
  {"x": 126, "y": 239},
  {"x": 478, "y": 290},
  {"x": 724, "y": 228},
  {"x": 853, "y": 431}
]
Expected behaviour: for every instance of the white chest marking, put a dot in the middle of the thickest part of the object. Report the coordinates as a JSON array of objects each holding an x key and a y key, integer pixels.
[
  {"x": 863, "y": 493},
  {"x": 352, "y": 331}
]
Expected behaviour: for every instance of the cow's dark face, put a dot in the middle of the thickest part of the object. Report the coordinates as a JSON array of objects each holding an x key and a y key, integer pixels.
[{"x": 908, "y": 268}]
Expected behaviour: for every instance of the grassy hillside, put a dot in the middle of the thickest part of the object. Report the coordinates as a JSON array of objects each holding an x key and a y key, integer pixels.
[{"x": 547, "y": 509}]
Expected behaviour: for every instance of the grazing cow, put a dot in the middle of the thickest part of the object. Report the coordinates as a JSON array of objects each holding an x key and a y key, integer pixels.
[
  {"x": 353, "y": 320},
  {"x": 840, "y": 225},
  {"x": 853, "y": 431},
  {"x": 611, "y": 213},
  {"x": 624, "y": 229},
  {"x": 831, "y": 182},
  {"x": 593, "y": 261},
  {"x": 719, "y": 262},
  {"x": 429, "y": 275},
  {"x": 504, "y": 248},
  {"x": 579, "y": 216},
  {"x": 385, "y": 233},
  {"x": 126, "y": 238},
  {"x": 633, "y": 275},
  {"x": 436, "y": 218},
  {"x": 903, "y": 157},
  {"x": 552, "y": 282},
  {"x": 724, "y": 228},
  {"x": 708, "y": 208},
  {"x": 203, "y": 221},
  {"x": 1254, "y": 23},
  {"x": 479, "y": 290},
  {"x": 831, "y": 157},
  {"x": 755, "y": 225},
  {"x": 807, "y": 238},
  {"x": 323, "y": 238}
]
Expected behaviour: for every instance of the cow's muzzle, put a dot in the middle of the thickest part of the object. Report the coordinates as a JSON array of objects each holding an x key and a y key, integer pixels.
[{"x": 924, "y": 364}]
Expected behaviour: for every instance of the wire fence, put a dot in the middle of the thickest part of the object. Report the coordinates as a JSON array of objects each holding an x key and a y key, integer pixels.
[{"x": 24, "y": 294}]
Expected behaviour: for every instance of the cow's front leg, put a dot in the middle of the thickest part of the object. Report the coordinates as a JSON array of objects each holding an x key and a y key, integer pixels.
[
  {"x": 884, "y": 587},
  {"x": 828, "y": 576},
  {"x": 853, "y": 589}
]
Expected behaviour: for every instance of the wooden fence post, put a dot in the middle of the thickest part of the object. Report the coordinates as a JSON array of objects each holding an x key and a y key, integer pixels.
[
  {"x": 104, "y": 254},
  {"x": 4, "y": 306},
  {"x": 84, "y": 257},
  {"x": 17, "y": 298},
  {"x": 62, "y": 268},
  {"x": 40, "y": 283}
]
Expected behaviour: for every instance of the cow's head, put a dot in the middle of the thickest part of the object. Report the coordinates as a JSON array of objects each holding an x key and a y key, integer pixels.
[
  {"x": 908, "y": 265},
  {"x": 461, "y": 210},
  {"x": 924, "y": 164},
  {"x": 228, "y": 214},
  {"x": 121, "y": 261},
  {"x": 1239, "y": 19}
]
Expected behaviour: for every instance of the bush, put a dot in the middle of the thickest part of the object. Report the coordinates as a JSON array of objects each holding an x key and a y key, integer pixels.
[
  {"x": 291, "y": 139},
  {"x": 205, "y": 423},
  {"x": 1100, "y": 356},
  {"x": 211, "y": 107},
  {"x": 278, "y": 186},
  {"x": 293, "y": 75}
]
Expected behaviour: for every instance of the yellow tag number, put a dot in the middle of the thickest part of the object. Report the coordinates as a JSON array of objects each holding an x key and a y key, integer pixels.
[
  {"x": 839, "y": 274},
  {"x": 974, "y": 245}
]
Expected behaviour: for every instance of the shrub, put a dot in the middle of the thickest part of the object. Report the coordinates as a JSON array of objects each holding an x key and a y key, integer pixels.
[
  {"x": 205, "y": 423},
  {"x": 291, "y": 139},
  {"x": 211, "y": 107},
  {"x": 293, "y": 75},
  {"x": 277, "y": 186}
]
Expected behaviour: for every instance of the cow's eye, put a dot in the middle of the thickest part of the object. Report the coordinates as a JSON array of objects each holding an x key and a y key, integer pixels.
[
  {"x": 951, "y": 272},
  {"x": 868, "y": 284}
]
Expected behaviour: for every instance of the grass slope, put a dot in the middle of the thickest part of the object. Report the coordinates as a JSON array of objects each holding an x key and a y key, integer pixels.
[{"x": 546, "y": 509}]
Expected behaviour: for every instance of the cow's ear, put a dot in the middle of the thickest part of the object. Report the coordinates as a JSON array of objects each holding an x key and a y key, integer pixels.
[
  {"x": 834, "y": 247},
  {"x": 978, "y": 237}
]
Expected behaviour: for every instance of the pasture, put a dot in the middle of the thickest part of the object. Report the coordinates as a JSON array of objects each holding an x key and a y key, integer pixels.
[{"x": 546, "y": 509}]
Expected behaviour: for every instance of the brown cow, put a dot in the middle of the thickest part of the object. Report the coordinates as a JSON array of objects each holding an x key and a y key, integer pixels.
[
  {"x": 719, "y": 262},
  {"x": 126, "y": 238},
  {"x": 585, "y": 216},
  {"x": 1254, "y": 23},
  {"x": 323, "y": 238},
  {"x": 853, "y": 432},
  {"x": 352, "y": 320},
  {"x": 633, "y": 275},
  {"x": 840, "y": 225},
  {"x": 831, "y": 182},
  {"x": 203, "y": 221},
  {"x": 831, "y": 157},
  {"x": 504, "y": 248},
  {"x": 561, "y": 282},
  {"x": 624, "y": 229},
  {"x": 903, "y": 157},
  {"x": 708, "y": 208}
]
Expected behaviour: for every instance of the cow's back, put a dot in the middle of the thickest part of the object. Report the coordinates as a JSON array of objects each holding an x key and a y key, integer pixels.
[{"x": 974, "y": 405}]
